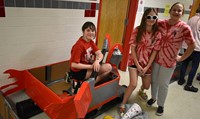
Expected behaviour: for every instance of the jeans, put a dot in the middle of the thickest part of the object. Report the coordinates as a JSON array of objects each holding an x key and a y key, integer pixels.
[{"x": 195, "y": 58}]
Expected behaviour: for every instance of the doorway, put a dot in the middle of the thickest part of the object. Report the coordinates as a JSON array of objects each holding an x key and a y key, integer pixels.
[{"x": 117, "y": 18}]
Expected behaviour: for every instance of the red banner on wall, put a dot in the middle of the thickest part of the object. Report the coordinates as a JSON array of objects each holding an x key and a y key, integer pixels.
[{"x": 2, "y": 9}]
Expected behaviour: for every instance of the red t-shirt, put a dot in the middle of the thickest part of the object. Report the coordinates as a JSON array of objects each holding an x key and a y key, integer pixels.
[{"x": 83, "y": 52}]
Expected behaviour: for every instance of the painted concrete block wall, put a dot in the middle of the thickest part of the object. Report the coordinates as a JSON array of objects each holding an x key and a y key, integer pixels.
[{"x": 36, "y": 36}]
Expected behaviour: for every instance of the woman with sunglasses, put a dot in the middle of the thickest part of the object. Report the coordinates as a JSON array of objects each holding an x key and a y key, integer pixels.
[
  {"x": 144, "y": 43},
  {"x": 174, "y": 32}
]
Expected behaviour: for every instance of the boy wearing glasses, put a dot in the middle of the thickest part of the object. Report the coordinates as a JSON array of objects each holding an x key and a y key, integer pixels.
[{"x": 144, "y": 43}]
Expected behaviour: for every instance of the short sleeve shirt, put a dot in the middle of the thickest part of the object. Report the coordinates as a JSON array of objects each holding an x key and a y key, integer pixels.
[
  {"x": 172, "y": 39},
  {"x": 145, "y": 47},
  {"x": 194, "y": 23},
  {"x": 83, "y": 52}
]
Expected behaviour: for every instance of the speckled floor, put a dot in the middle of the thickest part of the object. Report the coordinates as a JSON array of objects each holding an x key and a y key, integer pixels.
[{"x": 180, "y": 104}]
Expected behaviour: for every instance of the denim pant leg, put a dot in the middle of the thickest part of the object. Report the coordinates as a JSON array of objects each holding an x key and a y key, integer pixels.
[
  {"x": 184, "y": 65},
  {"x": 195, "y": 64}
]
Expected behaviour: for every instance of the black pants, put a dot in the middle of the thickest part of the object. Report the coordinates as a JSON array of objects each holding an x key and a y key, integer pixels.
[{"x": 195, "y": 58}]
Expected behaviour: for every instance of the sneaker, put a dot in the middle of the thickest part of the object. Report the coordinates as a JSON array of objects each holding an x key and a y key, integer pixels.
[
  {"x": 150, "y": 102},
  {"x": 190, "y": 88},
  {"x": 142, "y": 95},
  {"x": 181, "y": 82},
  {"x": 198, "y": 78},
  {"x": 160, "y": 111}
]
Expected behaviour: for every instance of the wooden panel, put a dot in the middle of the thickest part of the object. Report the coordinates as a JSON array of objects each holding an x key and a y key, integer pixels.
[
  {"x": 3, "y": 110},
  {"x": 52, "y": 72},
  {"x": 6, "y": 112},
  {"x": 58, "y": 87},
  {"x": 39, "y": 73},
  {"x": 112, "y": 20},
  {"x": 12, "y": 115},
  {"x": 59, "y": 70}
]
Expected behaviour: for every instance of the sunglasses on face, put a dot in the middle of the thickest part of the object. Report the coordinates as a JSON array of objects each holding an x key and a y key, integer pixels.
[{"x": 151, "y": 17}]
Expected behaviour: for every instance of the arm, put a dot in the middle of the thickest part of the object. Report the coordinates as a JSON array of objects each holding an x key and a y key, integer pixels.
[
  {"x": 81, "y": 66},
  {"x": 96, "y": 64},
  {"x": 187, "y": 53},
  {"x": 189, "y": 40},
  {"x": 99, "y": 56},
  {"x": 152, "y": 57},
  {"x": 155, "y": 50},
  {"x": 135, "y": 59}
]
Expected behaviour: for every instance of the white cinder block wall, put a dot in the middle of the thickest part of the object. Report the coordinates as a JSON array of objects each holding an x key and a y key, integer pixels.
[{"x": 32, "y": 36}]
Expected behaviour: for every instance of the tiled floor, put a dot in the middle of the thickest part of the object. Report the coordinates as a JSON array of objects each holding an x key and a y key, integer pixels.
[{"x": 180, "y": 104}]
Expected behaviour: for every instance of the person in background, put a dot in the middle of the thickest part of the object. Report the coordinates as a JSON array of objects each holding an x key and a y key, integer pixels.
[
  {"x": 144, "y": 43},
  {"x": 86, "y": 56},
  {"x": 174, "y": 32},
  {"x": 194, "y": 24}
]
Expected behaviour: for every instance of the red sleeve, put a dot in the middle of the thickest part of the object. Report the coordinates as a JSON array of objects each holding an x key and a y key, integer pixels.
[
  {"x": 76, "y": 53},
  {"x": 133, "y": 37},
  {"x": 94, "y": 47},
  {"x": 157, "y": 45}
]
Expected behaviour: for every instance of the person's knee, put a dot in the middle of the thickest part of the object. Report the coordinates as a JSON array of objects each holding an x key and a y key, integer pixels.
[
  {"x": 108, "y": 68},
  {"x": 164, "y": 85},
  {"x": 146, "y": 86},
  {"x": 132, "y": 85}
]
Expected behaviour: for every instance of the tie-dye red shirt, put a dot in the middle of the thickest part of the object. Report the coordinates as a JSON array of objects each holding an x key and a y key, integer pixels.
[
  {"x": 145, "y": 47},
  {"x": 172, "y": 39}
]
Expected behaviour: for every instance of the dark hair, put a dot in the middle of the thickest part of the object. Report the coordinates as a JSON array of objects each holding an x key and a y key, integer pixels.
[
  {"x": 198, "y": 10},
  {"x": 176, "y": 4},
  {"x": 142, "y": 27},
  {"x": 88, "y": 25}
]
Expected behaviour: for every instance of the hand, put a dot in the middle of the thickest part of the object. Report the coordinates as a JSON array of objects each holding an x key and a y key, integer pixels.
[
  {"x": 178, "y": 58},
  {"x": 144, "y": 71},
  {"x": 140, "y": 69},
  {"x": 96, "y": 66}
]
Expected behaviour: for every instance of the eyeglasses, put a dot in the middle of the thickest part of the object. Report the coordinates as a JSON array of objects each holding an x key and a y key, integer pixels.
[{"x": 151, "y": 17}]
